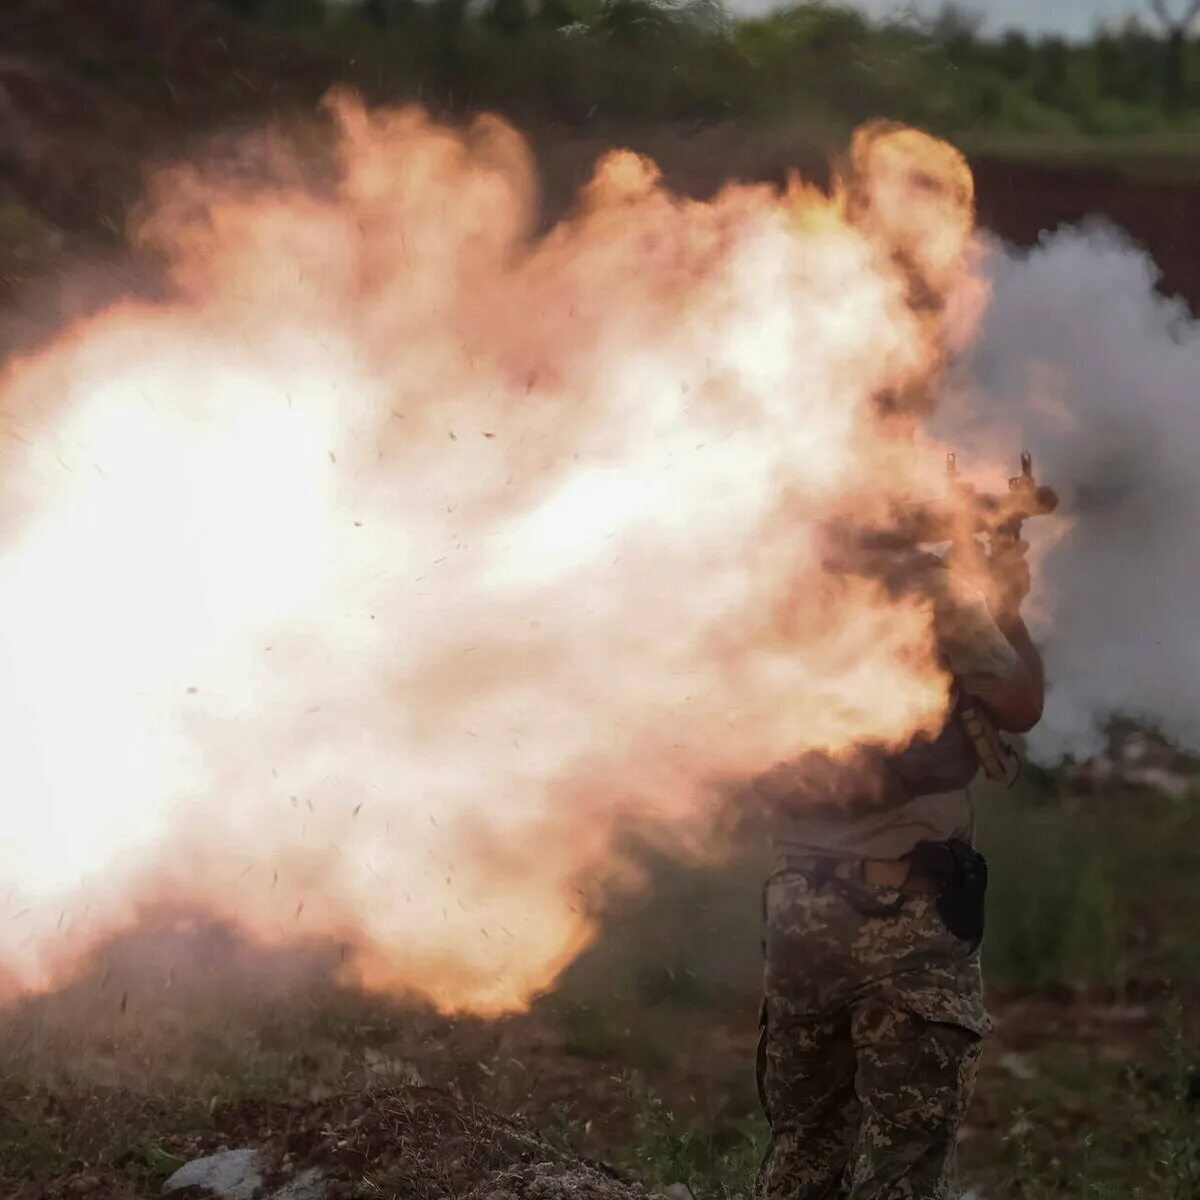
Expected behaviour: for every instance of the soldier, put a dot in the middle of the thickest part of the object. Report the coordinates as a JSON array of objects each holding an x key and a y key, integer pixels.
[{"x": 873, "y": 1016}]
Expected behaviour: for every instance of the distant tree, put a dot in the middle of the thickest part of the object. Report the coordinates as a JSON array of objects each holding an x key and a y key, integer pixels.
[
  {"x": 1106, "y": 52},
  {"x": 555, "y": 14},
  {"x": 637, "y": 22},
  {"x": 387, "y": 12},
  {"x": 1129, "y": 63},
  {"x": 955, "y": 25},
  {"x": 832, "y": 33},
  {"x": 1051, "y": 66},
  {"x": 1015, "y": 57},
  {"x": 508, "y": 16},
  {"x": 708, "y": 16},
  {"x": 1177, "y": 29}
]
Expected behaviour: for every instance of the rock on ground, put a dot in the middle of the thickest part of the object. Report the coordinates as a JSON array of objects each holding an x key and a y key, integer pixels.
[
  {"x": 232, "y": 1175},
  {"x": 238, "y": 1175}
]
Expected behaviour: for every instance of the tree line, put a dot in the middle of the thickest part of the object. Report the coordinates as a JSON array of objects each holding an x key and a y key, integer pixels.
[{"x": 692, "y": 59}]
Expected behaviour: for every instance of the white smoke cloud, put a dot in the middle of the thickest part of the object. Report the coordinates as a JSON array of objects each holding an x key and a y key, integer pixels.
[{"x": 1085, "y": 364}]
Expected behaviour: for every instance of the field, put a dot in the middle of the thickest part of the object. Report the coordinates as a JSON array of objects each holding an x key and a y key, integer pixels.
[{"x": 641, "y": 1056}]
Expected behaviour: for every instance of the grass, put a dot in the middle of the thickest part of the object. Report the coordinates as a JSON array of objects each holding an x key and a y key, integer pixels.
[
  {"x": 1091, "y": 1086},
  {"x": 46, "y": 1134},
  {"x": 642, "y": 1055},
  {"x": 1086, "y": 1126},
  {"x": 666, "y": 1147}
]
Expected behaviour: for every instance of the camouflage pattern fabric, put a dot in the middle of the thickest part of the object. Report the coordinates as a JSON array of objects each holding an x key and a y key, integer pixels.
[{"x": 873, "y": 1021}]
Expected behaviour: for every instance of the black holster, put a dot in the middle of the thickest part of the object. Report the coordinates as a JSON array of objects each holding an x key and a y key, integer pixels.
[{"x": 961, "y": 874}]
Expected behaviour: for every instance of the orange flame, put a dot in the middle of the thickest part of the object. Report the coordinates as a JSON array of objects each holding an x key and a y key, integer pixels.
[{"x": 365, "y": 588}]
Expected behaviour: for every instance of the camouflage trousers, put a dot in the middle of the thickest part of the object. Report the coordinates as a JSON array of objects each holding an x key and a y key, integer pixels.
[{"x": 872, "y": 1026}]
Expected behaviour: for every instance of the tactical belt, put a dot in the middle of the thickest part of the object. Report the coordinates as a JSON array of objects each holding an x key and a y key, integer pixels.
[
  {"x": 900, "y": 874},
  {"x": 952, "y": 871}
]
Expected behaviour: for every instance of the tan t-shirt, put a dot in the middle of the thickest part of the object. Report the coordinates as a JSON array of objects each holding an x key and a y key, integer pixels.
[{"x": 810, "y": 822}]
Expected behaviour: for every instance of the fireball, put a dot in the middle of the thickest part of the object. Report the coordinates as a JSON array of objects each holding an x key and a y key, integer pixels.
[{"x": 367, "y": 586}]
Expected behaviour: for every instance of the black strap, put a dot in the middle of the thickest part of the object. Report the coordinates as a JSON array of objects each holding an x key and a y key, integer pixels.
[{"x": 961, "y": 874}]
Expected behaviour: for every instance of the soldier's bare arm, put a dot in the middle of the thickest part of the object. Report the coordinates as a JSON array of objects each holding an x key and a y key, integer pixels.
[
  {"x": 1015, "y": 702},
  {"x": 1016, "y": 699}
]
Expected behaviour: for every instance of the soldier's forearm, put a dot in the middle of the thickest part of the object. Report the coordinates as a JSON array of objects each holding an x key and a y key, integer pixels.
[
  {"x": 1015, "y": 630},
  {"x": 1017, "y": 705}
]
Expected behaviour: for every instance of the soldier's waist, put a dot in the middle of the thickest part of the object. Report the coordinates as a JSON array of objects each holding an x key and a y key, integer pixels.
[{"x": 899, "y": 873}]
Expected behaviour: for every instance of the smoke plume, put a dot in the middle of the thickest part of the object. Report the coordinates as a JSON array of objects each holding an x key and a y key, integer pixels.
[{"x": 1081, "y": 361}]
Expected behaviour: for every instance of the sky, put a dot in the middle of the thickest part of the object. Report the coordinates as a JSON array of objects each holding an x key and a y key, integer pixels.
[{"x": 1075, "y": 18}]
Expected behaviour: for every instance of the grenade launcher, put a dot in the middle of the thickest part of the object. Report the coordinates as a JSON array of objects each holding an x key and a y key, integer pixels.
[{"x": 964, "y": 513}]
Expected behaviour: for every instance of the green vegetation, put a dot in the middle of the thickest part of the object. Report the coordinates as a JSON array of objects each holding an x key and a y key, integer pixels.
[
  {"x": 690, "y": 60},
  {"x": 100, "y": 89},
  {"x": 647, "y": 60},
  {"x": 1103, "y": 1123},
  {"x": 1098, "y": 890}
]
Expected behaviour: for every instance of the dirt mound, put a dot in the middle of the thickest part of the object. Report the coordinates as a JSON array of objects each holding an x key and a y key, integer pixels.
[
  {"x": 425, "y": 1144},
  {"x": 412, "y": 1142}
]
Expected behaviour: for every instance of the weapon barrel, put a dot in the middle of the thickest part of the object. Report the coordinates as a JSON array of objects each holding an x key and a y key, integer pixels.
[
  {"x": 941, "y": 521},
  {"x": 1020, "y": 505}
]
